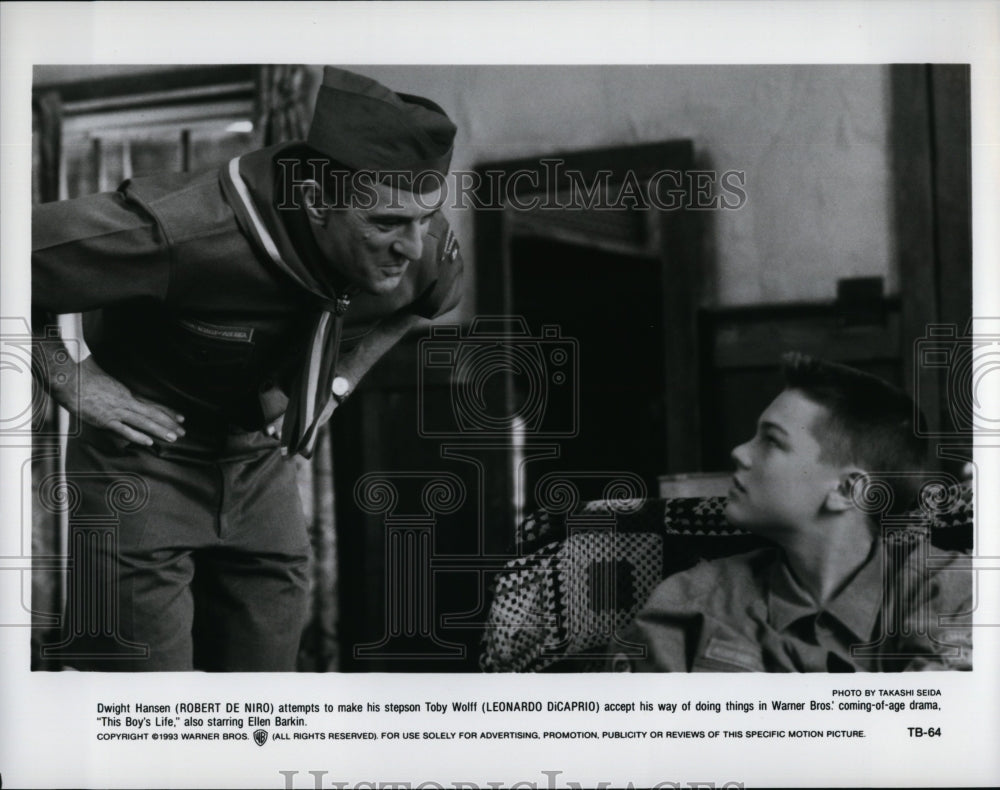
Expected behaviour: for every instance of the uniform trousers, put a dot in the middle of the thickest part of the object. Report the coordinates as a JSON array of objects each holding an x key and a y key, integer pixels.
[{"x": 208, "y": 567}]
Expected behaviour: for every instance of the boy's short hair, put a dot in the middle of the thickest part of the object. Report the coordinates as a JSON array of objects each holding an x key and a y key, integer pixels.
[{"x": 870, "y": 423}]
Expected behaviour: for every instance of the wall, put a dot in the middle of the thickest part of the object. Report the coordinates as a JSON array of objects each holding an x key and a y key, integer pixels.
[{"x": 811, "y": 139}]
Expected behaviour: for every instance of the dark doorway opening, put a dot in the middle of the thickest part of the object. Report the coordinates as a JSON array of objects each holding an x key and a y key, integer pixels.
[{"x": 611, "y": 304}]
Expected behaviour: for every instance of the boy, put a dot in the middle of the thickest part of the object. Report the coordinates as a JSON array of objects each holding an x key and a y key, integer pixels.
[{"x": 824, "y": 598}]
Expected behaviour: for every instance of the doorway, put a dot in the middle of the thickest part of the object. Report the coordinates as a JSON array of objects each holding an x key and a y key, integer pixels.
[
  {"x": 622, "y": 279},
  {"x": 611, "y": 305}
]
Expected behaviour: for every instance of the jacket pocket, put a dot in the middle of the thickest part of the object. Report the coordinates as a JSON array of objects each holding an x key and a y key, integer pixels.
[
  {"x": 204, "y": 343},
  {"x": 722, "y": 655},
  {"x": 209, "y": 360}
]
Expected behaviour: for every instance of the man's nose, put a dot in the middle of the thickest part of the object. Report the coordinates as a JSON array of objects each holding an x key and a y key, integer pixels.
[
  {"x": 410, "y": 242},
  {"x": 740, "y": 456}
]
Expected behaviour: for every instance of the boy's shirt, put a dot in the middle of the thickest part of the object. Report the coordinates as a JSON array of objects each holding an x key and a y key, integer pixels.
[{"x": 746, "y": 613}]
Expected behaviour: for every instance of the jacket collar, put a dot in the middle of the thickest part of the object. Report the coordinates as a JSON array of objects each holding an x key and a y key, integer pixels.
[
  {"x": 856, "y": 605},
  {"x": 288, "y": 224}
]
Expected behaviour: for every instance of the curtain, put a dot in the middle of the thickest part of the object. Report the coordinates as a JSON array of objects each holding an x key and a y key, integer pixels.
[
  {"x": 46, "y": 540},
  {"x": 283, "y": 113},
  {"x": 46, "y": 117}
]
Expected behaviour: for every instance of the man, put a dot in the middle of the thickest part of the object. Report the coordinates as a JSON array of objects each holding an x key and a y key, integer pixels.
[
  {"x": 823, "y": 598},
  {"x": 219, "y": 305}
]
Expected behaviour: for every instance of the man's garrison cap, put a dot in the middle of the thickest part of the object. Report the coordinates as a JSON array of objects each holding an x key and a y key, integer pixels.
[{"x": 365, "y": 126}]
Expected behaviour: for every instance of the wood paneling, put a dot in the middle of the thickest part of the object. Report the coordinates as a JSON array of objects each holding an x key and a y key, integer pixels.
[{"x": 931, "y": 160}]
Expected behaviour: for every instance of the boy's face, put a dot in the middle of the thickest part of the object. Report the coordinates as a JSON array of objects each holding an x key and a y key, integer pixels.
[{"x": 780, "y": 481}]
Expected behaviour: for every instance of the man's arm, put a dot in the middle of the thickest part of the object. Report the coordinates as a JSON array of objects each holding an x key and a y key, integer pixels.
[
  {"x": 88, "y": 253},
  {"x": 95, "y": 251},
  {"x": 354, "y": 364},
  {"x": 91, "y": 395}
]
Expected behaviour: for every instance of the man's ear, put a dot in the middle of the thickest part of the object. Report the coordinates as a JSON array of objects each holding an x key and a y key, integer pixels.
[
  {"x": 311, "y": 195},
  {"x": 849, "y": 486}
]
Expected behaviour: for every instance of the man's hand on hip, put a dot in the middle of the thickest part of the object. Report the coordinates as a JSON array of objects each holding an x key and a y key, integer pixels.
[{"x": 104, "y": 402}]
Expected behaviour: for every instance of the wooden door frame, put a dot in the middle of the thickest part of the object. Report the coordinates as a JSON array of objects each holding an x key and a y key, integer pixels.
[{"x": 930, "y": 144}]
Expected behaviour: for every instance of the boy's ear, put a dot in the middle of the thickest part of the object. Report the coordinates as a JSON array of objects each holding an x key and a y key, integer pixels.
[
  {"x": 311, "y": 195},
  {"x": 843, "y": 496}
]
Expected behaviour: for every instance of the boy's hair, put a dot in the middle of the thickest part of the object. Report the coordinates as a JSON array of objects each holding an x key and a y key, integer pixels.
[{"x": 870, "y": 423}]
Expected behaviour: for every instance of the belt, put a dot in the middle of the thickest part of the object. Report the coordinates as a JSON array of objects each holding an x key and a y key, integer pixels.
[{"x": 229, "y": 442}]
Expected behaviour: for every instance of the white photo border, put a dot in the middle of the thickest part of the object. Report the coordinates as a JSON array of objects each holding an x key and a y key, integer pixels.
[{"x": 47, "y": 719}]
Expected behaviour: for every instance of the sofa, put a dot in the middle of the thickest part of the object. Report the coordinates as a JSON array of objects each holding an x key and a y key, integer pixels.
[{"x": 582, "y": 574}]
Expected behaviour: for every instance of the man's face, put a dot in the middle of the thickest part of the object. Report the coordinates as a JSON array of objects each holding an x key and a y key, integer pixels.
[
  {"x": 781, "y": 482},
  {"x": 374, "y": 246}
]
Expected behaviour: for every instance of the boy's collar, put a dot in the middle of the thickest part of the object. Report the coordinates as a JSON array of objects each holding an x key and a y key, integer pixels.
[{"x": 856, "y": 605}]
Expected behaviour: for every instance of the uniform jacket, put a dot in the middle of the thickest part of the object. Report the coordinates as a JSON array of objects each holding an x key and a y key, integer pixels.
[{"x": 182, "y": 308}]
